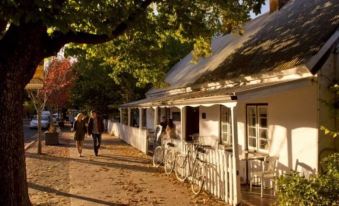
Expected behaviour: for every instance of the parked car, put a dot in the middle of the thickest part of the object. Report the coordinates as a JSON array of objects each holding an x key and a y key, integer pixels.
[
  {"x": 56, "y": 117},
  {"x": 45, "y": 121},
  {"x": 46, "y": 113}
]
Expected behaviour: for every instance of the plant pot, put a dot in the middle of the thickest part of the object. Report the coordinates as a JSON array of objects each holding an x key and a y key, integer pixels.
[{"x": 51, "y": 138}]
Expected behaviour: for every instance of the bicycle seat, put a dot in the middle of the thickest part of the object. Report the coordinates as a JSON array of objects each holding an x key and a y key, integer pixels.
[
  {"x": 201, "y": 150},
  {"x": 170, "y": 144},
  {"x": 206, "y": 146}
]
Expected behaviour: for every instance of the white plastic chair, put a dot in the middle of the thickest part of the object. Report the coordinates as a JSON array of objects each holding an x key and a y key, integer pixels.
[{"x": 268, "y": 172}]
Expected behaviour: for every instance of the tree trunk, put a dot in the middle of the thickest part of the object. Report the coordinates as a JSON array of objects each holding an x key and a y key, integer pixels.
[
  {"x": 21, "y": 50},
  {"x": 13, "y": 183},
  {"x": 39, "y": 129}
]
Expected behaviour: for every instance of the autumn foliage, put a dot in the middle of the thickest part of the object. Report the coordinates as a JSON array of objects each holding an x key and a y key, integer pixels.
[{"x": 58, "y": 82}]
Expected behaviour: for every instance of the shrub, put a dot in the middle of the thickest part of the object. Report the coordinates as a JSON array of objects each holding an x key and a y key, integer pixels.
[{"x": 323, "y": 189}]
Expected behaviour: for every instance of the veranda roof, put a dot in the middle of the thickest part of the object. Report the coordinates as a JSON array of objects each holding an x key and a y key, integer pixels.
[{"x": 208, "y": 97}]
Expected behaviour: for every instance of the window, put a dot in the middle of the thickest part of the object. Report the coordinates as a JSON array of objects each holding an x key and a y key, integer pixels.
[
  {"x": 257, "y": 132},
  {"x": 176, "y": 116},
  {"x": 134, "y": 117},
  {"x": 144, "y": 118},
  {"x": 225, "y": 126},
  {"x": 164, "y": 113}
]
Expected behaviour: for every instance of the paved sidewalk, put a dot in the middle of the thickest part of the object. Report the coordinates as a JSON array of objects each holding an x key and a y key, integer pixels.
[{"x": 120, "y": 175}]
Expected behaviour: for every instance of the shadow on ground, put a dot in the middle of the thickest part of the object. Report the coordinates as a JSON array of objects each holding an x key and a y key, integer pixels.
[
  {"x": 120, "y": 162},
  {"x": 57, "y": 192}
]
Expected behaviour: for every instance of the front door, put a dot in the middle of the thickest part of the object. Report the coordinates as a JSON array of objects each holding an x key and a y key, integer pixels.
[{"x": 192, "y": 122}]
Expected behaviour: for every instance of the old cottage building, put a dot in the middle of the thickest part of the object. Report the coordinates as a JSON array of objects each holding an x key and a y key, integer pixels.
[{"x": 261, "y": 93}]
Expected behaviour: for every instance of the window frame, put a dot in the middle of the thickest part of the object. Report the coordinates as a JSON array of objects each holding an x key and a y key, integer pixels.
[
  {"x": 257, "y": 128},
  {"x": 144, "y": 117},
  {"x": 221, "y": 132},
  {"x": 134, "y": 118}
]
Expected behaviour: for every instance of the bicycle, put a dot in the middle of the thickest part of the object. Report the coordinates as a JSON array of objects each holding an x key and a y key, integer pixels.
[
  {"x": 165, "y": 155},
  {"x": 192, "y": 165}
]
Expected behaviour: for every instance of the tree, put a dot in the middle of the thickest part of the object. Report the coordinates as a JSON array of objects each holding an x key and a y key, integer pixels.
[
  {"x": 93, "y": 88},
  {"x": 146, "y": 57},
  {"x": 117, "y": 71},
  {"x": 58, "y": 79},
  {"x": 31, "y": 30}
]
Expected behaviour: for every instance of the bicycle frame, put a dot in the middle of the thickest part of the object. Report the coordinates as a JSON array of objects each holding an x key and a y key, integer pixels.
[{"x": 191, "y": 160}]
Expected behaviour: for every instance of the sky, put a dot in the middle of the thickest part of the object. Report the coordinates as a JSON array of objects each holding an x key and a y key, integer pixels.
[{"x": 264, "y": 9}]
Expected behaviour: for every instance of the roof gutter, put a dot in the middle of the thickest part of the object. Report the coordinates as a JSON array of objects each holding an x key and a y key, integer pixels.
[{"x": 318, "y": 60}]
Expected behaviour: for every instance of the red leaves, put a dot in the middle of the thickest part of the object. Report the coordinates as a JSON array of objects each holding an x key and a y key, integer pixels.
[{"x": 58, "y": 81}]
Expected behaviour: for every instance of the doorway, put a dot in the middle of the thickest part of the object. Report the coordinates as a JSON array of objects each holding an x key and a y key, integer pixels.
[{"x": 192, "y": 122}]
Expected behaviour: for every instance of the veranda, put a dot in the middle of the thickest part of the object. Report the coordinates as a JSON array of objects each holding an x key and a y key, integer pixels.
[{"x": 223, "y": 181}]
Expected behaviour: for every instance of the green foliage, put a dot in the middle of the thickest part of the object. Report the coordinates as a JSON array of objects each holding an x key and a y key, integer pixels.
[
  {"x": 94, "y": 89},
  {"x": 195, "y": 21},
  {"x": 331, "y": 164},
  {"x": 323, "y": 189},
  {"x": 29, "y": 107},
  {"x": 333, "y": 106},
  {"x": 146, "y": 57},
  {"x": 147, "y": 37}
]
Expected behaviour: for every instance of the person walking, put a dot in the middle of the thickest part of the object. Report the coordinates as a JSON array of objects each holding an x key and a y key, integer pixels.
[
  {"x": 79, "y": 127},
  {"x": 95, "y": 128}
]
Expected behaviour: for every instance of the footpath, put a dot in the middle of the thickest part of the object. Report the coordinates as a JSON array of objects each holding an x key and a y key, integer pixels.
[{"x": 120, "y": 175}]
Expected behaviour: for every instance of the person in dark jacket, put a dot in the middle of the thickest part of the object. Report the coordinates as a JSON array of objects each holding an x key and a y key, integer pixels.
[
  {"x": 96, "y": 128},
  {"x": 80, "y": 131}
]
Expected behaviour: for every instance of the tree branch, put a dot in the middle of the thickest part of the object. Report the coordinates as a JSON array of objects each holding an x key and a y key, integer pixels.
[
  {"x": 83, "y": 37},
  {"x": 3, "y": 27}
]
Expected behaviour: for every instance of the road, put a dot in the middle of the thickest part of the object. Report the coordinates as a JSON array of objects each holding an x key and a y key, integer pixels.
[{"x": 28, "y": 133}]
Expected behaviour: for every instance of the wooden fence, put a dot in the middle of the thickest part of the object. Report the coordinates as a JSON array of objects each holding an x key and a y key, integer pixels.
[
  {"x": 219, "y": 181},
  {"x": 136, "y": 137}
]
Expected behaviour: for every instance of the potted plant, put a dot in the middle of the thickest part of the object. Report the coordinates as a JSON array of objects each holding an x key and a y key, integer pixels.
[{"x": 52, "y": 136}]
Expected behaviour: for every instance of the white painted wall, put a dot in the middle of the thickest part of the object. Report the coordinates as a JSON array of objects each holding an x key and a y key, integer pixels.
[
  {"x": 209, "y": 127},
  {"x": 177, "y": 123},
  {"x": 293, "y": 128},
  {"x": 133, "y": 136},
  {"x": 150, "y": 118}
]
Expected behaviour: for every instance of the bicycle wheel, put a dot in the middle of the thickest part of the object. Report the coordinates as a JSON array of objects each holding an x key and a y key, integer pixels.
[
  {"x": 197, "y": 179},
  {"x": 158, "y": 156},
  {"x": 180, "y": 168},
  {"x": 169, "y": 161}
]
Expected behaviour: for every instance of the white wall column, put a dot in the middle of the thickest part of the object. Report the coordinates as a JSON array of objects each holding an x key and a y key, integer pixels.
[
  {"x": 155, "y": 117},
  {"x": 140, "y": 118},
  {"x": 129, "y": 117},
  {"x": 145, "y": 145},
  {"x": 235, "y": 148},
  {"x": 183, "y": 126}
]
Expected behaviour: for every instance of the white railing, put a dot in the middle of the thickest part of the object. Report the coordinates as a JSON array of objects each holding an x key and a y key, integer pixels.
[
  {"x": 219, "y": 181},
  {"x": 136, "y": 137}
]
